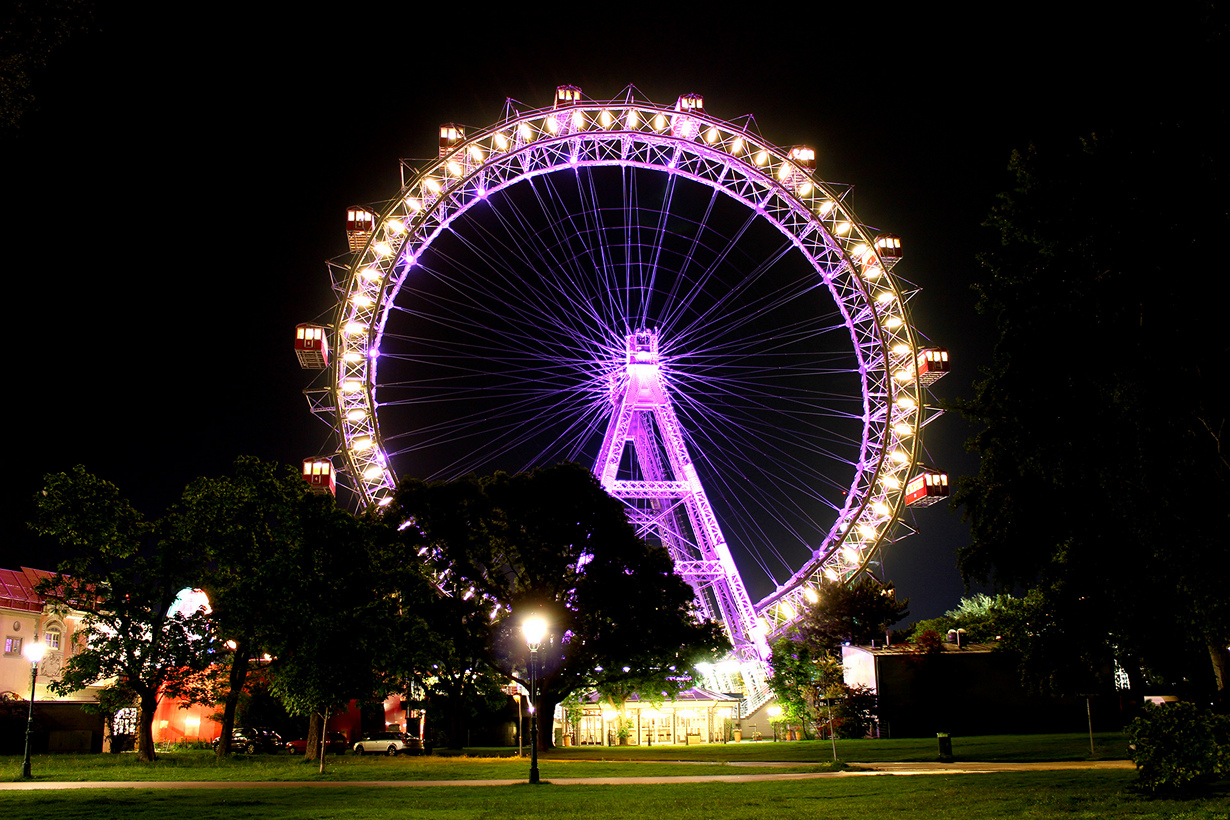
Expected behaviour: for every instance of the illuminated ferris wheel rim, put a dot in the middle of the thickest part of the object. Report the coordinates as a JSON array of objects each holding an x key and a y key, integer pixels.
[{"x": 683, "y": 141}]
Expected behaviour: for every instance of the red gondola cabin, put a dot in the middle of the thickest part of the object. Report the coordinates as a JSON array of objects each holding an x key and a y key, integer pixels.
[
  {"x": 932, "y": 365},
  {"x": 360, "y": 225},
  {"x": 927, "y": 488},
  {"x": 312, "y": 347},
  {"x": 451, "y": 135},
  {"x": 318, "y": 473},
  {"x": 567, "y": 95},
  {"x": 889, "y": 247}
]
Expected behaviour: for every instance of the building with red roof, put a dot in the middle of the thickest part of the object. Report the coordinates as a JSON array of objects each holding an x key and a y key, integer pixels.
[{"x": 24, "y": 618}]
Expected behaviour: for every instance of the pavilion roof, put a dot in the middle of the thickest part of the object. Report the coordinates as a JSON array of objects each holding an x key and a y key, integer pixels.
[
  {"x": 694, "y": 694},
  {"x": 17, "y": 589}
]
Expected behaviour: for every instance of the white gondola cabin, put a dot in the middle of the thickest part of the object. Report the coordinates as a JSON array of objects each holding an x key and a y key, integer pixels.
[
  {"x": 804, "y": 157},
  {"x": 312, "y": 347},
  {"x": 318, "y": 473},
  {"x": 684, "y": 126},
  {"x": 927, "y": 488},
  {"x": 360, "y": 225},
  {"x": 932, "y": 365}
]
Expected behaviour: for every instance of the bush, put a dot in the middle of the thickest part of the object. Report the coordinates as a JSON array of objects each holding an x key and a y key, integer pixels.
[
  {"x": 1179, "y": 745},
  {"x": 855, "y": 714}
]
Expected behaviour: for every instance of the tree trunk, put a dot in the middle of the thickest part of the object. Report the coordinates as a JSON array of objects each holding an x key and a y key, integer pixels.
[
  {"x": 1220, "y": 657},
  {"x": 109, "y": 746},
  {"x": 546, "y": 703},
  {"x": 456, "y": 729},
  {"x": 456, "y": 706},
  {"x": 324, "y": 739},
  {"x": 316, "y": 731},
  {"x": 145, "y": 725},
  {"x": 238, "y": 677}
]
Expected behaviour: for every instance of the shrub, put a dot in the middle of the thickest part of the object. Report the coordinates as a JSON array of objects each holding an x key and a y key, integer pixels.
[
  {"x": 855, "y": 714},
  {"x": 1179, "y": 745}
]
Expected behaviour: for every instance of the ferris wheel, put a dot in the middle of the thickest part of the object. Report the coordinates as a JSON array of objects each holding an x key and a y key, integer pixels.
[{"x": 659, "y": 293}]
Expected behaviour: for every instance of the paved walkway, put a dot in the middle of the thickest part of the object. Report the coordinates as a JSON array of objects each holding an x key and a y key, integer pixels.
[{"x": 864, "y": 770}]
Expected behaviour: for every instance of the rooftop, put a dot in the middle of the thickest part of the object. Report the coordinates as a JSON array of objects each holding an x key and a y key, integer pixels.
[
  {"x": 17, "y": 589},
  {"x": 912, "y": 649}
]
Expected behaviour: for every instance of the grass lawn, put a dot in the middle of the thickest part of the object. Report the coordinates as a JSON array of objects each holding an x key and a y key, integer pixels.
[
  {"x": 628, "y": 761},
  {"x": 1022, "y": 796},
  {"x": 984, "y": 749},
  {"x": 203, "y": 765}
]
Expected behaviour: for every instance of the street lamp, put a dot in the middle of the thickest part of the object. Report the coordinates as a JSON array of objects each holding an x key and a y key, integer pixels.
[
  {"x": 33, "y": 652},
  {"x": 535, "y": 629},
  {"x": 517, "y": 698}
]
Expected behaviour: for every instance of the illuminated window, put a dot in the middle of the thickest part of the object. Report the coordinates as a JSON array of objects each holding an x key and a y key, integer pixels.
[
  {"x": 52, "y": 639},
  {"x": 12, "y": 645},
  {"x": 125, "y": 722}
]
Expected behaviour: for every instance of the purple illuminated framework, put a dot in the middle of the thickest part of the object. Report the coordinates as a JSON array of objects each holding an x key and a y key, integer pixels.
[
  {"x": 510, "y": 243},
  {"x": 678, "y": 512}
]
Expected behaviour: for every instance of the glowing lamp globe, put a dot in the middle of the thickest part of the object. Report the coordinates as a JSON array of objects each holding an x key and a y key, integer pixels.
[
  {"x": 34, "y": 651},
  {"x": 534, "y": 629}
]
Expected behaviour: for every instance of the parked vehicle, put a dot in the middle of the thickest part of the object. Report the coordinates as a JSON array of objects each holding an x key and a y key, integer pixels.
[
  {"x": 335, "y": 744},
  {"x": 253, "y": 740},
  {"x": 389, "y": 743}
]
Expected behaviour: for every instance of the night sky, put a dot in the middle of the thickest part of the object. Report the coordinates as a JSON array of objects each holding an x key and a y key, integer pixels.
[{"x": 172, "y": 199}]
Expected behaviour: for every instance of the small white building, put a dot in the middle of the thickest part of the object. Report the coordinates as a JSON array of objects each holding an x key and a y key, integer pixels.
[{"x": 694, "y": 715}]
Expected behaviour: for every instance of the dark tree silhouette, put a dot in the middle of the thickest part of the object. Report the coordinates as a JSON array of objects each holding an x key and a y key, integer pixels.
[{"x": 552, "y": 542}]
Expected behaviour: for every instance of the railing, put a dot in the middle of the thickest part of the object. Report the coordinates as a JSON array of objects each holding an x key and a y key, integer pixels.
[{"x": 755, "y": 699}]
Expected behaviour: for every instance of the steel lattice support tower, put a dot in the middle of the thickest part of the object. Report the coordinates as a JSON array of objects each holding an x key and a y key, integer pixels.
[{"x": 668, "y": 500}]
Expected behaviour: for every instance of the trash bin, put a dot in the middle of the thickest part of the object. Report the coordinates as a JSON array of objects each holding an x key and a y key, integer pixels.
[{"x": 945, "y": 747}]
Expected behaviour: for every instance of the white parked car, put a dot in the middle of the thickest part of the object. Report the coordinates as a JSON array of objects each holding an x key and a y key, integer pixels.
[{"x": 389, "y": 743}]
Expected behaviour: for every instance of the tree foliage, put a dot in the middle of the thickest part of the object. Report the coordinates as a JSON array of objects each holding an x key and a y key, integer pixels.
[
  {"x": 124, "y": 580},
  {"x": 445, "y": 648},
  {"x": 30, "y": 30},
  {"x": 802, "y": 676},
  {"x": 341, "y": 624},
  {"x": 1179, "y": 746},
  {"x": 1103, "y": 482},
  {"x": 856, "y": 613},
  {"x": 984, "y": 618},
  {"x": 552, "y": 542},
  {"x": 313, "y": 587},
  {"x": 248, "y": 528},
  {"x": 807, "y": 678}
]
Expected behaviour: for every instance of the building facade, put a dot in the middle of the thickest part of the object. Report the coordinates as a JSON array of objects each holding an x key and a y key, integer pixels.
[
  {"x": 967, "y": 689},
  {"x": 61, "y": 723},
  {"x": 694, "y": 715}
]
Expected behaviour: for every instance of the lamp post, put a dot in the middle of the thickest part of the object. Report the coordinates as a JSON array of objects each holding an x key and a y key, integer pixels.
[
  {"x": 828, "y": 705},
  {"x": 520, "y": 723},
  {"x": 534, "y": 629},
  {"x": 33, "y": 652}
]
